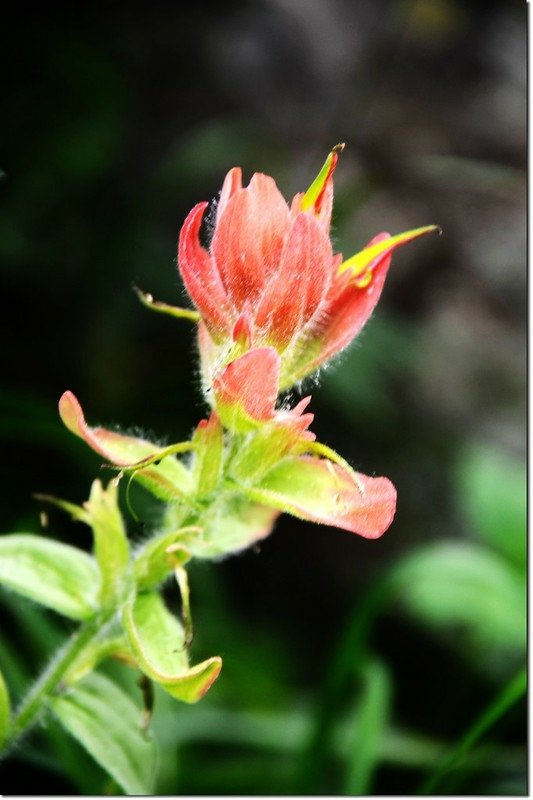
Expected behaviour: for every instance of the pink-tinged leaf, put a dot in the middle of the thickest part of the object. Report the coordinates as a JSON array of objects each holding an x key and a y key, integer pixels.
[
  {"x": 293, "y": 294},
  {"x": 318, "y": 490},
  {"x": 247, "y": 389},
  {"x": 232, "y": 183},
  {"x": 207, "y": 465},
  {"x": 200, "y": 275},
  {"x": 249, "y": 237},
  {"x": 168, "y": 480}
]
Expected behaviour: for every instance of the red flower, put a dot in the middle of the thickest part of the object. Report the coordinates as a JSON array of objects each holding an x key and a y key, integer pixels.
[{"x": 270, "y": 277}]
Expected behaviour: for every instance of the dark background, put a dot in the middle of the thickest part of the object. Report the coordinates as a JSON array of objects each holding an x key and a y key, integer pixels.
[{"x": 117, "y": 120}]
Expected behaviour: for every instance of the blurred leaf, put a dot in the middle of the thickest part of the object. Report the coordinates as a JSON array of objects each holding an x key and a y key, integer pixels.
[
  {"x": 51, "y": 573},
  {"x": 462, "y": 586},
  {"x": 108, "y": 724},
  {"x": 5, "y": 709},
  {"x": 492, "y": 491},
  {"x": 369, "y": 729},
  {"x": 157, "y": 640}
]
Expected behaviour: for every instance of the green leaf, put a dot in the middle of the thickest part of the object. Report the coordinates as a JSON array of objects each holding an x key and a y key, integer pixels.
[
  {"x": 51, "y": 573},
  {"x": 108, "y": 724},
  {"x": 111, "y": 546},
  {"x": 157, "y": 640},
  {"x": 462, "y": 586},
  {"x": 366, "y": 745},
  {"x": 492, "y": 491},
  {"x": 5, "y": 709}
]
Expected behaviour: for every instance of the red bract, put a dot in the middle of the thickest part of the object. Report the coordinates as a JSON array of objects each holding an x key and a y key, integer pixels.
[{"x": 270, "y": 277}]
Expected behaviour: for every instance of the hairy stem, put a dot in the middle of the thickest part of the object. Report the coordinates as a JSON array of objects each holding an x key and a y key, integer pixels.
[{"x": 37, "y": 698}]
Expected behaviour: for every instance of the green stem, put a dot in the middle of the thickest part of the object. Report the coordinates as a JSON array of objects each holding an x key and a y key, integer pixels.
[
  {"x": 31, "y": 707},
  {"x": 510, "y": 694}
]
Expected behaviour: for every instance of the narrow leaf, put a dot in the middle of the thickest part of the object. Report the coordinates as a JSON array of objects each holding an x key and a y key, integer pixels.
[
  {"x": 111, "y": 546},
  {"x": 157, "y": 640},
  {"x": 107, "y": 723},
  {"x": 51, "y": 573},
  {"x": 366, "y": 745},
  {"x": 164, "y": 308},
  {"x": 505, "y": 700}
]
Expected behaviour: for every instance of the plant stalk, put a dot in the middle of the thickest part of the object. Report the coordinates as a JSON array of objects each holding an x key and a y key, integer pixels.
[{"x": 49, "y": 680}]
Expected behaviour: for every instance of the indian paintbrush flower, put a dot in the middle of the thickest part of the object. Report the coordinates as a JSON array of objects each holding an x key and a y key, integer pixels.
[
  {"x": 270, "y": 277},
  {"x": 273, "y": 304}
]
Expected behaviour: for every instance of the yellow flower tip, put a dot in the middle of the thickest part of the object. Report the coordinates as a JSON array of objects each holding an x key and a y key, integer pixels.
[
  {"x": 362, "y": 263},
  {"x": 338, "y": 148},
  {"x": 313, "y": 196}
]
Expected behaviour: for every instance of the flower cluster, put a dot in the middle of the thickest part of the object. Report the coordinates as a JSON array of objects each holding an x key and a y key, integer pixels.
[{"x": 273, "y": 303}]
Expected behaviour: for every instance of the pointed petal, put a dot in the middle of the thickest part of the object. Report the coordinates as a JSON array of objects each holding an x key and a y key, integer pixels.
[
  {"x": 346, "y": 315},
  {"x": 320, "y": 491},
  {"x": 200, "y": 275},
  {"x": 247, "y": 389},
  {"x": 378, "y": 248},
  {"x": 242, "y": 332},
  {"x": 352, "y": 298},
  {"x": 249, "y": 237},
  {"x": 319, "y": 196},
  {"x": 232, "y": 183},
  {"x": 294, "y": 293},
  {"x": 168, "y": 480}
]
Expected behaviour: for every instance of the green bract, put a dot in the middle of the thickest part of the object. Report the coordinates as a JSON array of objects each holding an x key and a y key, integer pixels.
[{"x": 157, "y": 641}]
